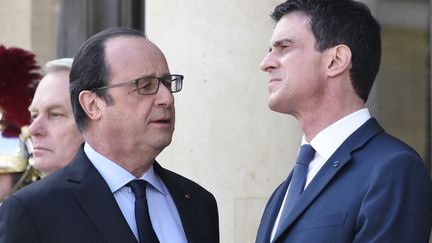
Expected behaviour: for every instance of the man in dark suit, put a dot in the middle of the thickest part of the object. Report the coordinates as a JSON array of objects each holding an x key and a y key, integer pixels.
[
  {"x": 113, "y": 190},
  {"x": 352, "y": 182}
]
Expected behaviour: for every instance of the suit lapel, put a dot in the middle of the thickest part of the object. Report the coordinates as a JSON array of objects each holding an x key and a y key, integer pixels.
[
  {"x": 183, "y": 200},
  {"x": 335, "y": 163},
  {"x": 271, "y": 211},
  {"x": 97, "y": 201},
  {"x": 324, "y": 176}
]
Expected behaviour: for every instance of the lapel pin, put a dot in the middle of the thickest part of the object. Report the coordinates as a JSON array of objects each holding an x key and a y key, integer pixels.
[
  {"x": 336, "y": 163},
  {"x": 187, "y": 196}
]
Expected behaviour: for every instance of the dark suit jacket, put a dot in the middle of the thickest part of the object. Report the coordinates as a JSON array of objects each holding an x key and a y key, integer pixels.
[
  {"x": 373, "y": 189},
  {"x": 76, "y": 205}
]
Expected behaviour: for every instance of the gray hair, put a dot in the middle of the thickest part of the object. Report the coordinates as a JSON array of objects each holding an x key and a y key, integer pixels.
[{"x": 58, "y": 65}]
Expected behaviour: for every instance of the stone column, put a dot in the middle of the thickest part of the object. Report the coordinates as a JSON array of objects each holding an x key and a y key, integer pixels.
[
  {"x": 15, "y": 17},
  {"x": 29, "y": 25}
]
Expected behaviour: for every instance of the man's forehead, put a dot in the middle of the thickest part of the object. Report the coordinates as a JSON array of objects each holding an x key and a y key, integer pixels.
[
  {"x": 130, "y": 48},
  {"x": 119, "y": 43},
  {"x": 290, "y": 27},
  {"x": 49, "y": 105},
  {"x": 57, "y": 80},
  {"x": 52, "y": 90},
  {"x": 132, "y": 57}
]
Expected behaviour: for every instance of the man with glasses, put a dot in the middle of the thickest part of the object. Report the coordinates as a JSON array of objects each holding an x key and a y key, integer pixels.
[{"x": 114, "y": 190}]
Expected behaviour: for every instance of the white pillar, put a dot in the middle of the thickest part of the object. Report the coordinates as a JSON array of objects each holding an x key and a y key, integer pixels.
[
  {"x": 30, "y": 25},
  {"x": 15, "y": 31}
]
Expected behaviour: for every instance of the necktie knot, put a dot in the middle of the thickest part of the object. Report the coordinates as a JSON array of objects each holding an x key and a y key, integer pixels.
[
  {"x": 139, "y": 188},
  {"x": 305, "y": 155}
]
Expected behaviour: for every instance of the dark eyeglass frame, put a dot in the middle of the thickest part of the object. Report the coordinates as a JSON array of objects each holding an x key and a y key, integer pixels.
[{"x": 167, "y": 81}]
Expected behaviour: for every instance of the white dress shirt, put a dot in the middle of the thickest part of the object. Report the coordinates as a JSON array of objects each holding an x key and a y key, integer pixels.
[
  {"x": 163, "y": 211},
  {"x": 325, "y": 144}
]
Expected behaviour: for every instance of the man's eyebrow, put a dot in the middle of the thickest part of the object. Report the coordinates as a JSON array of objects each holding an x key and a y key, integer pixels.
[
  {"x": 281, "y": 42},
  {"x": 152, "y": 75},
  {"x": 49, "y": 107}
]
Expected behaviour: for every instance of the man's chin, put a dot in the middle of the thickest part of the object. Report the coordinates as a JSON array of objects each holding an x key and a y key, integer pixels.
[
  {"x": 274, "y": 105},
  {"x": 164, "y": 143},
  {"x": 42, "y": 164}
]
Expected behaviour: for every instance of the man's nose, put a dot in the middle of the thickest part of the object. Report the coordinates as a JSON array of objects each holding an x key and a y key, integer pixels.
[
  {"x": 164, "y": 97},
  {"x": 269, "y": 62},
  {"x": 37, "y": 127}
]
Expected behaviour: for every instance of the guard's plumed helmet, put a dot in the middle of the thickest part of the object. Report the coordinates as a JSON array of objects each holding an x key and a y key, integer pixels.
[{"x": 19, "y": 75}]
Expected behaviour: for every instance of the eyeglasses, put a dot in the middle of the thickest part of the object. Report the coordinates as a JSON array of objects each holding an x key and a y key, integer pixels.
[{"x": 150, "y": 85}]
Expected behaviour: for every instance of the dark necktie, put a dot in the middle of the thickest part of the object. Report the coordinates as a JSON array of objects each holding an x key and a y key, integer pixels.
[
  {"x": 145, "y": 229},
  {"x": 298, "y": 180}
]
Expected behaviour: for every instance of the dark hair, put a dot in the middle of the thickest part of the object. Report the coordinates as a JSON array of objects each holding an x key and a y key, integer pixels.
[
  {"x": 90, "y": 71},
  {"x": 347, "y": 22}
]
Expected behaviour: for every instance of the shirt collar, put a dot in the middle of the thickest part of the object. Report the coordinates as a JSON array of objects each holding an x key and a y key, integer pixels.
[
  {"x": 328, "y": 140},
  {"x": 116, "y": 176}
]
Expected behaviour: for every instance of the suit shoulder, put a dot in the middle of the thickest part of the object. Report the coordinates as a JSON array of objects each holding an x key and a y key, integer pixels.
[
  {"x": 384, "y": 146},
  {"x": 185, "y": 181},
  {"x": 175, "y": 180},
  {"x": 392, "y": 143},
  {"x": 41, "y": 190},
  {"x": 386, "y": 153}
]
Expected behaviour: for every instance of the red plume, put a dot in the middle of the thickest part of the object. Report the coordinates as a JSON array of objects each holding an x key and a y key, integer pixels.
[{"x": 19, "y": 75}]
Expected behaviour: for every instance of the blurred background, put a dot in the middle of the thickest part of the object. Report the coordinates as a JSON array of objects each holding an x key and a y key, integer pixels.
[{"x": 226, "y": 138}]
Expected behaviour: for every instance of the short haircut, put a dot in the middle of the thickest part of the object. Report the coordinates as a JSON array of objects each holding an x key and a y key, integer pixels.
[
  {"x": 58, "y": 64},
  {"x": 90, "y": 70},
  {"x": 343, "y": 22}
]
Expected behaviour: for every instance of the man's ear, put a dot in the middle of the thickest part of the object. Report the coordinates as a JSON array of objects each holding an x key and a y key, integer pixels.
[
  {"x": 339, "y": 60},
  {"x": 90, "y": 103}
]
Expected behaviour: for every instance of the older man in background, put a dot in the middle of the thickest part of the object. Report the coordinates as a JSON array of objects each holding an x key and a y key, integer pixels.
[{"x": 54, "y": 133}]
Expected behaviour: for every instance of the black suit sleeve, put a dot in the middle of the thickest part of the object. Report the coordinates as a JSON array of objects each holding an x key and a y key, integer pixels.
[{"x": 16, "y": 223}]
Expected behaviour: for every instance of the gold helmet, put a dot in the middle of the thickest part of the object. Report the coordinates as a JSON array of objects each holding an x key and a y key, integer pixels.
[
  {"x": 16, "y": 159},
  {"x": 18, "y": 77},
  {"x": 12, "y": 157}
]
